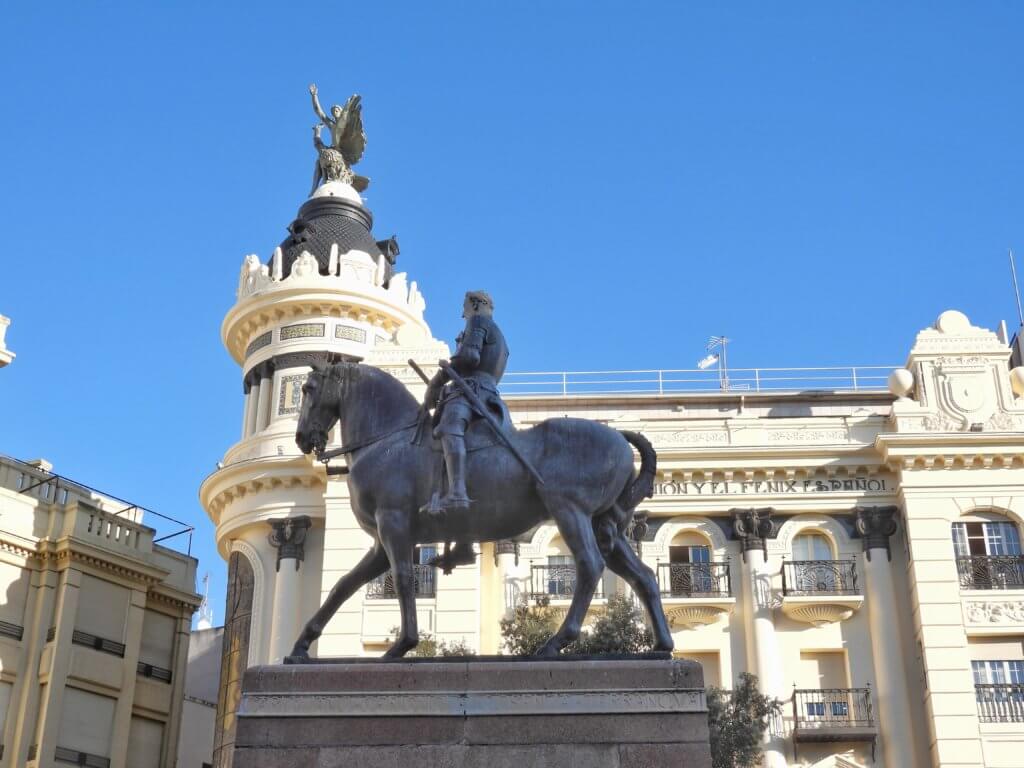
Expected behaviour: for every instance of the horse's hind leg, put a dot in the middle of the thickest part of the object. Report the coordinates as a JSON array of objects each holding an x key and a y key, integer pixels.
[
  {"x": 623, "y": 561},
  {"x": 578, "y": 535},
  {"x": 373, "y": 564},
  {"x": 393, "y": 527}
]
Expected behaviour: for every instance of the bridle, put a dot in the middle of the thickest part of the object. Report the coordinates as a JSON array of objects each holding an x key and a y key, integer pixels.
[{"x": 325, "y": 456}]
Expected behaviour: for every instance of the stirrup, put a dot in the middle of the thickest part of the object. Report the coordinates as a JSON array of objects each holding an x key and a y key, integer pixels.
[{"x": 452, "y": 503}]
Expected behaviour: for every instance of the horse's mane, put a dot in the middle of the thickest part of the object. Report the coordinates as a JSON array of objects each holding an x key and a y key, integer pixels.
[{"x": 388, "y": 393}]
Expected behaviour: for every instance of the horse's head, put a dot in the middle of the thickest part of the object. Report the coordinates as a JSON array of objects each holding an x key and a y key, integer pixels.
[{"x": 321, "y": 399}]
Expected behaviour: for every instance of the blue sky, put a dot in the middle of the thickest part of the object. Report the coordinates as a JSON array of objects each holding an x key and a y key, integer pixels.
[{"x": 815, "y": 180}]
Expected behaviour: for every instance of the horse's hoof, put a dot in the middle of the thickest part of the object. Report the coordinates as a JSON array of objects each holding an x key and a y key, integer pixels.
[
  {"x": 547, "y": 651},
  {"x": 297, "y": 656}
]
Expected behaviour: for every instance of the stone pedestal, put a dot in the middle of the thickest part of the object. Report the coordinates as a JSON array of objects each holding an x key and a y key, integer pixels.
[{"x": 486, "y": 713}]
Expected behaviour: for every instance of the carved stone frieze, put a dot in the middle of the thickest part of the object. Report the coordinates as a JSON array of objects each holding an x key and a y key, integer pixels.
[
  {"x": 689, "y": 437},
  {"x": 995, "y": 612}
]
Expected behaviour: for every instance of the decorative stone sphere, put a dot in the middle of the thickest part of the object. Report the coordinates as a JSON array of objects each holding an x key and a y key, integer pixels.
[
  {"x": 952, "y": 321},
  {"x": 901, "y": 382},
  {"x": 1017, "y": 381}
]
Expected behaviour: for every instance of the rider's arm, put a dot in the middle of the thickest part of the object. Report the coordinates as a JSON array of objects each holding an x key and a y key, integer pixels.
[
  {"x": 433, "y": 395},
  {"x": 471, "y": 342}
]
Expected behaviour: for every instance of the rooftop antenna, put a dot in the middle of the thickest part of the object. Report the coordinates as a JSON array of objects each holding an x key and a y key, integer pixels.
[
  {"x": 716, "y": 342},
  {"x": 205, "y": 611},
  {"x": 1016, "y": 289}
]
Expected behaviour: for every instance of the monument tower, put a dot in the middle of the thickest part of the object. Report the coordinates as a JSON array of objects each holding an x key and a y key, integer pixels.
[{"x": 329, "y": 290}]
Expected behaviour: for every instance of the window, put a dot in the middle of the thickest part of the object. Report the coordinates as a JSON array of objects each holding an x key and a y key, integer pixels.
[
  {"x": 561, "y": 575},
  {"x": 998, "y": 672},
  {"x": 689, "y": 554},
  {"x": 992, "y": 539},
  {"x": 811, "y": 546}
]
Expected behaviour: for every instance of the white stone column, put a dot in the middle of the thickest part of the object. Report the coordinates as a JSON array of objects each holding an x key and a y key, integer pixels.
[
  {"x": 252, "y": 409},
  {"x": 263, "y": 401},
  {"x": 288, "y": 536},
  {"x": 752, "y": 527},
  {"x": 876, "y": 525}
]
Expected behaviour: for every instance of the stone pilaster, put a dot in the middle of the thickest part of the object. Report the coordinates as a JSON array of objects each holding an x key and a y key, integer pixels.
[
  {"x": 68, "y": 592},
  {"x": 126, "y": 696},
  {"x": 876, "y": 525}
]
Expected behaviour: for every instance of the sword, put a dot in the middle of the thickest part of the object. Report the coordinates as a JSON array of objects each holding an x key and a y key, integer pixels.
[{"x": 481, "y": 409}]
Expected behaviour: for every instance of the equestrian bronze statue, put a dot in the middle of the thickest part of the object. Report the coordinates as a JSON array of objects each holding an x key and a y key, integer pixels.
[{"x": 501, "y": 482}]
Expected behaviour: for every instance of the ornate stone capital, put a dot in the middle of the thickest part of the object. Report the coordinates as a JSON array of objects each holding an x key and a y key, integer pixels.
[
  {"x": 288, "y": 537},
  {"x": 876, "y": 525},
  {"x": 753, "y": 527}
]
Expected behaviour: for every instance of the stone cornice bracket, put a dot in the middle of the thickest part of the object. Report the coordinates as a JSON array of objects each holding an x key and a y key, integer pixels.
[
  {"x": 288, "y": 537},
  {"x": 876, "y": 525},
  {"x": 753, "y": 527}
]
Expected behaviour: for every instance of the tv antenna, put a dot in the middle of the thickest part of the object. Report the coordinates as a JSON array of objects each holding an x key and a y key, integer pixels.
[{"x": 722, "y": 358}]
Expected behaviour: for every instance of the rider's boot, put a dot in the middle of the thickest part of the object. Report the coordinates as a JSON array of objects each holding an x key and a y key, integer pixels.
[{"x": 456, "y": 499}]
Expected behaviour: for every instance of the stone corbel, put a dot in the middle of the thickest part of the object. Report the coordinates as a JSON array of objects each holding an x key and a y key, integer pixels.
[
  {"x": 753, "y": 528},
  {"x": 288, "y": 537},
  {"x": 876, "y": 525}
]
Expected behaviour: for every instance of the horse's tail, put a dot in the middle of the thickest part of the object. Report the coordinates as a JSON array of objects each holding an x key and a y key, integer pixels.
[
  {"x": 642, "y": 486},
  {"x": 610, "y": 525}
]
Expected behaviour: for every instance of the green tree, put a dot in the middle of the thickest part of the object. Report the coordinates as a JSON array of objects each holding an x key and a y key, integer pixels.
[
  {"x": 529, "y": 627},
  {"x": 620, "y": 629},
  {"x": 429, "y": 646},
  {"x": 737, "y": 721}
]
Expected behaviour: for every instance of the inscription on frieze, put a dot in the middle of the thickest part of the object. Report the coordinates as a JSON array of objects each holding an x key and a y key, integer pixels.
[{"x": 859, "y": 484}]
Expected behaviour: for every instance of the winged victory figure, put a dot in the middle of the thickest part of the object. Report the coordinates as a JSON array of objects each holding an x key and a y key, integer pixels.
[{"x": 334, "y": 162}]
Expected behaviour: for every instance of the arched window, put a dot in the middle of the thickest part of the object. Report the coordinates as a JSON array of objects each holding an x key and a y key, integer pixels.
[
  {"x": 988, "y": 553},
  {"x": 690, "y": 571},
  {"x": 811, "y": 546}
]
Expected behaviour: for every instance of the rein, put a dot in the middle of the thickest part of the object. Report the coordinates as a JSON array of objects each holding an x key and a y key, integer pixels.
[{"x": 328, "y": 455}]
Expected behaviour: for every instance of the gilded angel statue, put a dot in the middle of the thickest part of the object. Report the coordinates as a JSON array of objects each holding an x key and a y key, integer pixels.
[{"x": 334, "y": 162}]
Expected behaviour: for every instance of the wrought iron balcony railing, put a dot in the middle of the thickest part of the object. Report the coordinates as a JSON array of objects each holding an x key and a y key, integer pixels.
[
  {"x": 556, "y": 581},
  {"x": 991, "y": 571},
  {"x": 803, "y": 578},
  {"x": 828, "y": 708},
  {"x": 383, "y": 587},
  {"x": 1000, "y": 702},
  {"x": 694, "y": 580}
]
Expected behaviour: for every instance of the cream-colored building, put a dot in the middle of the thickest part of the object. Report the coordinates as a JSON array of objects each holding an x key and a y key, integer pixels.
[
  {"x": 94, "y": 627},
  {"x": 6, "y": 356},
  {"x": 850, "y": 536}
]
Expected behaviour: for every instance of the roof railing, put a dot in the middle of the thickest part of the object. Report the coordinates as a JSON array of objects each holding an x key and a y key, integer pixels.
[{"x": 860, "y": 378}]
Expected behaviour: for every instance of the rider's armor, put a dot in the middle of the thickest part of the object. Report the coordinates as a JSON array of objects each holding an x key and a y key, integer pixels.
[{"x": 480, "y": 361}]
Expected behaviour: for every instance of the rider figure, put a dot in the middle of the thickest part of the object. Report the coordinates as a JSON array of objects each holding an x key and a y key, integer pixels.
[{"x": 480, "y": 361}]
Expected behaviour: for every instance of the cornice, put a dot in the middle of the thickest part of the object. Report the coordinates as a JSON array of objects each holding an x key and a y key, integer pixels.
[
  {"x": 254, "y": 475},
  {"x": 956, "y": 450},
  {"x": 256, "y": 314},
  {"x": 175, "y": 598},
  {"x": 67, "y": 549}
]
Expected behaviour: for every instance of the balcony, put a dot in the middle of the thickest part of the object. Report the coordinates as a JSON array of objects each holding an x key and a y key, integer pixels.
[
  {"x": 1000, "y": 702},
  {"x": 833, "y": 714},
  {"x": 383, "y": 587},
  {"x": 557, "y": 583},
  {"x": 694, "y": 594},
  {"x": 991, "y": 571},
  {"x": 820, "y": 592}
]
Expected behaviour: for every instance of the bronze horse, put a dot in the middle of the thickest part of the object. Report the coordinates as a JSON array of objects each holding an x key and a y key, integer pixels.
[{"x": 590, "y": 490}]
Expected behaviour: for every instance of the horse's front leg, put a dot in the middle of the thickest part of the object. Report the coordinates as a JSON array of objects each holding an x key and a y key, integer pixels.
[
  {"x": 577, "y": 533},
  {"x": 373, "y": 564},
  {"x": 393, "y": 528}
]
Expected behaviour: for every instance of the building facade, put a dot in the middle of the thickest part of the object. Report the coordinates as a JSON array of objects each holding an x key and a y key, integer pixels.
[
  {"x": 854, "y": 543},
  {"x": 6, "y": 355},
  {"x": 94, "y": 627}
]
